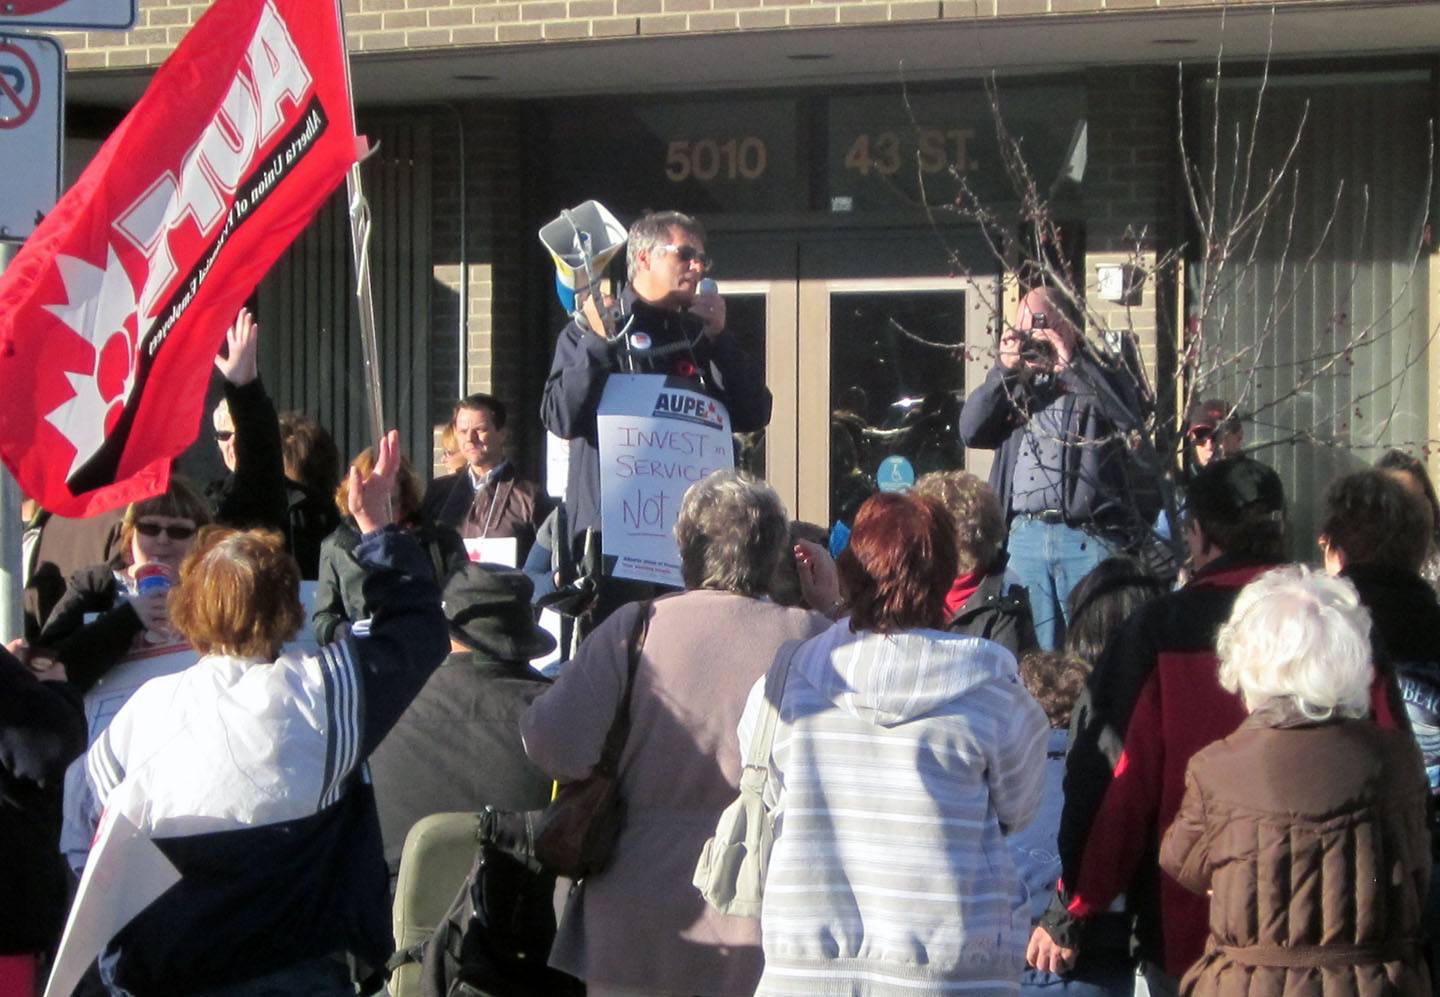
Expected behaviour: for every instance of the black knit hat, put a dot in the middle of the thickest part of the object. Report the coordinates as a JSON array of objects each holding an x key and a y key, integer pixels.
[
  {"x": 1224, "y": 489},
  {"x": 488, "y": 606}
]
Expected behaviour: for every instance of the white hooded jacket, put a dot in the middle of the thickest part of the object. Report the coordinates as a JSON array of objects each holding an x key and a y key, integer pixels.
[{"x": 899, "y": 763}]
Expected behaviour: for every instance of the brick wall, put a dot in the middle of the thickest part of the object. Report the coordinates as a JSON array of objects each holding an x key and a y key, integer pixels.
[
  {"x": 1130, "y": 178},
  {"x": 489, "y": 274},
  {"x": 386, "y": 25}
]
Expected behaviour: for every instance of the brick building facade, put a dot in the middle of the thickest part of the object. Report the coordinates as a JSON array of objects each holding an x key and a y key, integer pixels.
[{"x": 768, "y": 118}]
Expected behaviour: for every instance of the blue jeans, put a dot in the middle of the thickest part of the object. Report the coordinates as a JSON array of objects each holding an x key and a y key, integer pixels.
[
  {"x": 1050, "y": 559},
  {"x": 1117, "y": 980}
]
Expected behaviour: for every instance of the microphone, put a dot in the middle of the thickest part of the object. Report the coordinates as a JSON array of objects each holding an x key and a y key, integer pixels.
[{"x": 707, "y": 285}]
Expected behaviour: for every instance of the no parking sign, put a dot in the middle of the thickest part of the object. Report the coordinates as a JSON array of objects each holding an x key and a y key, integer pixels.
[{"x": 32, "y": 74}]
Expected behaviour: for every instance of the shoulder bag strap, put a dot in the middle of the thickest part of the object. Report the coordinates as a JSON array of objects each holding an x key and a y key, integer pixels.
[
  {"x": 757, "y": 755},
  {"x": 620, "y": 727}
]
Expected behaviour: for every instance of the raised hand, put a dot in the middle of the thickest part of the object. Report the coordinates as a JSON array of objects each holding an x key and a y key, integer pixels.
[
  {"x": 370, "y": 498},
  {"x": 240, "y": 365}
]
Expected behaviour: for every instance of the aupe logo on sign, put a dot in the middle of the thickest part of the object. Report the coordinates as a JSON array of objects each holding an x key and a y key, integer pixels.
[{"x": 689, "y": 407}]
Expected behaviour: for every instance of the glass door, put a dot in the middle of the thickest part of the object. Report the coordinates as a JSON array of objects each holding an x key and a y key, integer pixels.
[{"x": 893, "y": 359}]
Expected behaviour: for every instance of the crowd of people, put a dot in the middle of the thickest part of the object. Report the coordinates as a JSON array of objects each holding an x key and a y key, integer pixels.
[{"x": 1007, "y": 754}]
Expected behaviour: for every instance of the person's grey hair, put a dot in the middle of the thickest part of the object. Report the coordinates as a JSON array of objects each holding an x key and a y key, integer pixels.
[
  {"x": 1296, "y": 632},
  {"x": 732, "y": 530},
  {"x": 653, "y": 230}
]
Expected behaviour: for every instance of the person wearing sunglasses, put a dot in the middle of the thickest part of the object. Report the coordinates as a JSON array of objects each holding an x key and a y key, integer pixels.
[
  {"x": 109, "y": 609},
  {"x": 673, "y": 327},
  {"x": 1213, "y": 430},
  {"x": 252, "y": 493}
]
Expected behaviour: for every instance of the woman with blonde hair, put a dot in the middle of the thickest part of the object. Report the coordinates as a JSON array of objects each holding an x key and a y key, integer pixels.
[
  {"x": 1307, "y": 826},
  {"x": 340, "y": 600}
]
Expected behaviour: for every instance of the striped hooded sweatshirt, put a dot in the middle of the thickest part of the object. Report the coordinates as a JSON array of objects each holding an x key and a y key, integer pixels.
[{"x": 899, "y": 763}]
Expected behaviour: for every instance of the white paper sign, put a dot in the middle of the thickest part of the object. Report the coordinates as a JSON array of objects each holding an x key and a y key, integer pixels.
[
  {"x": 658, "y": 436},
  {"x": 493, "y": 550},
  {"x": 126, "y": 873}
]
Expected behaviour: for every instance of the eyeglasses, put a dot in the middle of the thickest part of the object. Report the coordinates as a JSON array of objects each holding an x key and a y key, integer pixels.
[
  {"x": 172, "y": 531},
  {"x": 1202, "y": 435},
  {"x": 224, "y": 435},
  {"x": 687, "y": 254}
]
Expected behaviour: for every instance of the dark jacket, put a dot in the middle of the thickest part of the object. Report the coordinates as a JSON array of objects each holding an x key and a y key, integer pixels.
[
  {"x": 583, "y": 361},
  {"x": 280, "y": 856},
  {"x": 1312, "y": 838},
  {"x": 340, "y": 589},
  {"x": 310, "y": 517},
  {"x": 63, "y": 547},
  {"x": 1102, "y": 482},
  {"x": 509, "y": 506},
  {"x": 457, "y": 748},
  {"x": 42, "y": 729},
  {"x": 1181, "y": 627},
  {"x": 89, "y": 650},
  {"x": 1405, "y": 632},
  {"x": 998, "y": 612},
  {"x": 253, "y": 497}
]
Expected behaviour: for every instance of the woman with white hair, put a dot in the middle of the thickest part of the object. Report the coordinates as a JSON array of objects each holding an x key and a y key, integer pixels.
[
  {"x": 640, "y": 926},
  {"x": 1307, "y": 825}
]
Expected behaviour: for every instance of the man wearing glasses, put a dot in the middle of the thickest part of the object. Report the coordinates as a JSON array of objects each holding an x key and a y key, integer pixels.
[
  {"x": 1058, "y": 418},
  {"x": 677, "y": 329}
]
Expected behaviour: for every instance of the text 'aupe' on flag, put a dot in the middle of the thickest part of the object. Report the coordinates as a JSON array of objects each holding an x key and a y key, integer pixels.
[{"x": 112, "y": 313}]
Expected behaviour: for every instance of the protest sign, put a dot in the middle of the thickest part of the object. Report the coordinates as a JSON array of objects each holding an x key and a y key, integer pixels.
[
  {"x": 658, "y": 436},
  {"x": 125, "y": 874}
]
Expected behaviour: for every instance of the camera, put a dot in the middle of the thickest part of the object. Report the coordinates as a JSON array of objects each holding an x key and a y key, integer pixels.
[{"x": 1037, "y": 351}]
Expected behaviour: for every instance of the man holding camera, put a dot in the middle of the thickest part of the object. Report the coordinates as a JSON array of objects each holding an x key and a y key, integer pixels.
[{"x": 1058, "y": 417}]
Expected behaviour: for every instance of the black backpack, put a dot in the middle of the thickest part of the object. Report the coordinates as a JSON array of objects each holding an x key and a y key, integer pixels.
[{"x": 496, "y": 937}]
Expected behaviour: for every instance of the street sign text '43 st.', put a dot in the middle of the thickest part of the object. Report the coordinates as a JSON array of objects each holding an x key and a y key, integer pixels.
[
  {"x": 114, "y": 14},
  {"x": 32, "y": 77}
]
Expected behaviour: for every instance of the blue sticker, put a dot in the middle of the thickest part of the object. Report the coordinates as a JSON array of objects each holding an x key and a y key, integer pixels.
[{"x": 896, "y": 474}]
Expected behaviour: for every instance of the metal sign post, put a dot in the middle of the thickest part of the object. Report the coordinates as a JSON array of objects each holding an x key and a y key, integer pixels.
[
  {"x": 12, "y": 532},
  {"x": 119, "y": 15},
  {"x": 32, "y": 99}
]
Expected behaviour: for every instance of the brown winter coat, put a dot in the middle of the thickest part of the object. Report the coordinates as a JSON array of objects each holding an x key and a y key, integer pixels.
[{"x": 1311, "y": 840}]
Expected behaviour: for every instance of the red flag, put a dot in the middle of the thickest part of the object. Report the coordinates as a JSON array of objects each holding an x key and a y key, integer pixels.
[{"x": 112, "y": 313}]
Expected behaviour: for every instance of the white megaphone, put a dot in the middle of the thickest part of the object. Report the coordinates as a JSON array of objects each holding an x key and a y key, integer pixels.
[{"x": 582, "y": 242}]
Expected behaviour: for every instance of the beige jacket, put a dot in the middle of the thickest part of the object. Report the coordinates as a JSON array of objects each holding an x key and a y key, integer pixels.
[{"x": 641, "y": 923}]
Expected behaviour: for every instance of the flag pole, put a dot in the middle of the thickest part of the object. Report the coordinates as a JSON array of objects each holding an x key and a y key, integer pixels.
[
  {"x": 12, "y": 530},
  {"x": 359, "y": 213}
]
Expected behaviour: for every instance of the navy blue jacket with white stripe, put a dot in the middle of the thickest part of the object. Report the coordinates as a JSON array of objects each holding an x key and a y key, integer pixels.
[{"x": 249, "y": 776}]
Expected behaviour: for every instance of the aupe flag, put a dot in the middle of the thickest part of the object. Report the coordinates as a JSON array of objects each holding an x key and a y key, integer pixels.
[{"x": 112, "y": 313}]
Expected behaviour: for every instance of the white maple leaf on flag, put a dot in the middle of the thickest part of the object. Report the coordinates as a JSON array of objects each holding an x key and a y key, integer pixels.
[{"x": 100, "y": 308}]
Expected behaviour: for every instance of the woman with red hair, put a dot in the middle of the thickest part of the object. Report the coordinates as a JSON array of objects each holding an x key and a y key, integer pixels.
[{"x": 902, "y": 756}]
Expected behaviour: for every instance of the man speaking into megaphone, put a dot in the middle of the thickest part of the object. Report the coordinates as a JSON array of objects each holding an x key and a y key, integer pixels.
[{"x": 670, "y": 320}]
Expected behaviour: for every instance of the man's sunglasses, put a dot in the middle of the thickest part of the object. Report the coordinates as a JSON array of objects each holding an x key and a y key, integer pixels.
[
  {"x": 688, "y": 254},
  {"x": 224, "y": 435},
  {"x": 172, "y": 531}
]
